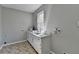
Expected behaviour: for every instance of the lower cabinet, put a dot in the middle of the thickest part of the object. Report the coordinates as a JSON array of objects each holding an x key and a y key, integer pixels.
[{"x": 40, "y": 44}]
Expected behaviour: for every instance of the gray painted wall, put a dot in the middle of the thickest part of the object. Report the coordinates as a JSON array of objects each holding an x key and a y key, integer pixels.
[
  {"x": 66, "y": 17},
  {"x": 0, "y": 27},
  {"x": 15, "y": 23}
]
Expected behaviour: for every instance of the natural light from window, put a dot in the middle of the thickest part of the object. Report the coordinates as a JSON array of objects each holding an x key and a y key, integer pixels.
[{"x": 40, "y": 22}]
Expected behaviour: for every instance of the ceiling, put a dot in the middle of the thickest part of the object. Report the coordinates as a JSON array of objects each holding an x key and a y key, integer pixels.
[{"x": 23, "y": 7}]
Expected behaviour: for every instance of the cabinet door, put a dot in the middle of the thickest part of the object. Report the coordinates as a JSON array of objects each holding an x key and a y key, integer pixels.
[
  {"x": 37, "y": 44},
  {"x": 45, "y": 45},
  {"x": 30, "y": 38}
]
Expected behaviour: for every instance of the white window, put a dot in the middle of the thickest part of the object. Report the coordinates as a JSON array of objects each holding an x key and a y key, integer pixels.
[{"x": 40, "y": 22}]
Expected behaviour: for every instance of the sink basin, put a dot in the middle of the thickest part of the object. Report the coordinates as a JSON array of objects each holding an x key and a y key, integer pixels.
[
  {"x": 39, "y": 34},
  {"x": 36, "y": 32}
]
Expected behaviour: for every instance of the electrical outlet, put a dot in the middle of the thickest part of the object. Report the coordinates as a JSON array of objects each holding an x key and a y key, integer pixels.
[
  {"x": 5, "y": 42},
  {"x": 64, "y": 53}
]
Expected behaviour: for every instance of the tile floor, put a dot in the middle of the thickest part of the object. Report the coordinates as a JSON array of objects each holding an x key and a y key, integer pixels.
[{"x": 18, "y": 48}]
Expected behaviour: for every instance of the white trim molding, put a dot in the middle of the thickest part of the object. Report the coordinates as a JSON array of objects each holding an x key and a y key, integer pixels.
[{"x": 11, "y": 43}]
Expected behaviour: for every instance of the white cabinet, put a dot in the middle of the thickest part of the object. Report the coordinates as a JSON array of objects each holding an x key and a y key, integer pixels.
[{"x": 40, "y": 43}]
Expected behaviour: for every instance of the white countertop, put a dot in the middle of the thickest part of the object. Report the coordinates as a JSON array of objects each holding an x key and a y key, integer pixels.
[{"x": 40, "y": 35}]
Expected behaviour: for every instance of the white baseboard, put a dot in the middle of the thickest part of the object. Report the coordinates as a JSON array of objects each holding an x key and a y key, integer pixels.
[
  {"x": 12, "y": 43},
  {"x": 51, "y": 52},
  {"x": 0, "y": 47}
]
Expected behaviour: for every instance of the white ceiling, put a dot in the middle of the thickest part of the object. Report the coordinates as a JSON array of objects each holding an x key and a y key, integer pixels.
[{"x": 23, "y": 7}]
